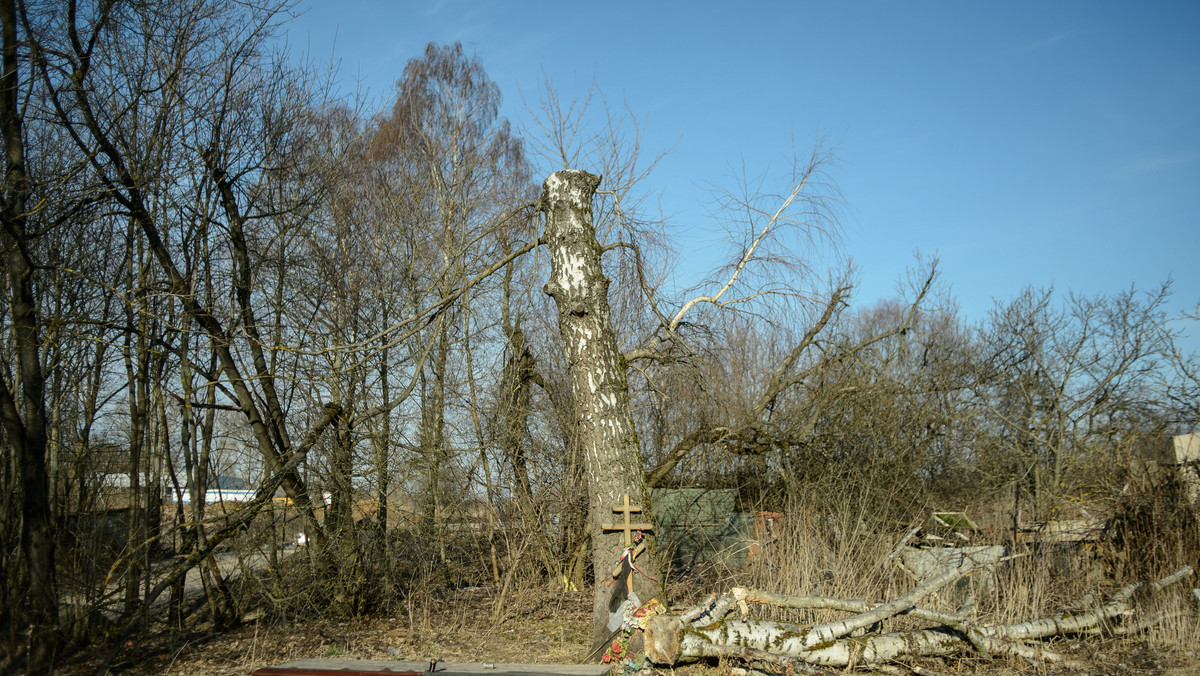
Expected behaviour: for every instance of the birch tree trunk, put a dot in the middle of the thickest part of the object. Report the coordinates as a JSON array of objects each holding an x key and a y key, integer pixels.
[
  {"x": 599, "y": 390},
  {"x": 706, "y": 631}
]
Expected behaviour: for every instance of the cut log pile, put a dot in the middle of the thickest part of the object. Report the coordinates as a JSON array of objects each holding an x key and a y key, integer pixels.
[{"x": 721, "y": 627}]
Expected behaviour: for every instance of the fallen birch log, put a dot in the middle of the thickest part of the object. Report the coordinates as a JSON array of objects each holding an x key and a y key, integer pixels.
[{"x": 708, "y": 631}]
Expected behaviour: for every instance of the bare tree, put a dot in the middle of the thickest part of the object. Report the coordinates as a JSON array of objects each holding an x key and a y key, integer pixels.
[
  {"x": 170, "y": 147},
  {"x": 22, "y": 395},
  {"x": 1183, "y": 387},
  {"x": 1065, "y": 380},
  {"x": 450, "y": 176}
]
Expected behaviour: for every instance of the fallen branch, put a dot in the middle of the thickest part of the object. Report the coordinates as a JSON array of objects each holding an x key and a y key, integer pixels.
[{"x": 707, "y": 630}]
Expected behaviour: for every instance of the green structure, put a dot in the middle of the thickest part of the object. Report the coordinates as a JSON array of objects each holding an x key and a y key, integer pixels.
[{"x": 699, "y": 526}]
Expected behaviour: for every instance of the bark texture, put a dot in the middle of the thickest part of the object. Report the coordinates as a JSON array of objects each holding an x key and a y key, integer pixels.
[
  {"x": 22, "y": 394},
  {"x": 705, "y": 630},
  {"x": 598, "y": 388}
]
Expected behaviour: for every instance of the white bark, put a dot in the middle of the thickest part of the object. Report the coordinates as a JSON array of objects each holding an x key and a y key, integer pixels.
[
  {"x": 603, "y": 423},
  {"x": 707, "y": 633}
]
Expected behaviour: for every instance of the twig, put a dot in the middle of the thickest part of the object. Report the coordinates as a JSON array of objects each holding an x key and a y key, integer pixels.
[
  {"x": 698, "y": 611},
  {"x": 900, "y": 547}
]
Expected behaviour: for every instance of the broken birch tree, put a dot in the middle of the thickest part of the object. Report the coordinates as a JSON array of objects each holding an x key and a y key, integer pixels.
[
  {"x": 603, "y": 419},
  {"x": 707, "y": 631}
]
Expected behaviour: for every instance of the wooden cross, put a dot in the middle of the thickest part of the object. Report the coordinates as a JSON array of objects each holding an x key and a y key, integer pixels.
[{"x": 626, "y": 509}]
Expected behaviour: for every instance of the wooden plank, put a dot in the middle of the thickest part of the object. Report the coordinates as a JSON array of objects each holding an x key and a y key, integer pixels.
[{"x": 349, "y": 667}]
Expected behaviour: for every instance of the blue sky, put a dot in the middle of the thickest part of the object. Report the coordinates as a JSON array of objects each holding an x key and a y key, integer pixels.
[{"x": 1043, "y": 143}]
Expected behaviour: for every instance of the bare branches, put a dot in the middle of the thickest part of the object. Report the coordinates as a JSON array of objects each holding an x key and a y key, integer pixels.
[
  {"x": 585, "y": 132},
  {"x": 770, "y": 228},
  {"x": 750, "y": 431}
]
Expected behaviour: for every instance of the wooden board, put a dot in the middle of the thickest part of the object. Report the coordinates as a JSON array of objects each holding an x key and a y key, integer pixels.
[{"x": 354, "y": 667}]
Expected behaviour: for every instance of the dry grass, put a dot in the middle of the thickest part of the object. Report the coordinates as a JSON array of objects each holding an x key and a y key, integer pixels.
[
  {"x": 547, "y": 627},
  {"x": 819, "y": 552},
  {"x": 839, "y": 554}
]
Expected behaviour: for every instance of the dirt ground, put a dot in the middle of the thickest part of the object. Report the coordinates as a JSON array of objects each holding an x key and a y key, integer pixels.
[
  {"x": 458, "y": 628},
  {"x": 462, "y": 627}
]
